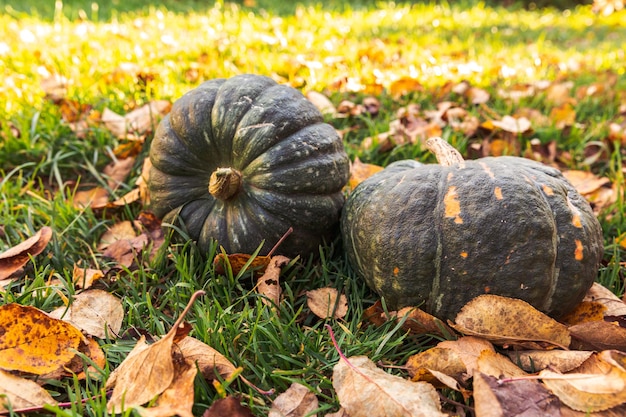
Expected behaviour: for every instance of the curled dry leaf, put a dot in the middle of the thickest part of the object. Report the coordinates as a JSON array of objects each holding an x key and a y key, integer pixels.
[
  {"x": 614, "y": 306},
  {"x": 516, "y": 398},
  {"x": 137, "y": 122},
  {"x": 585, "y": 311},
  {"x": 468, "y": 348},
  {"x": 365, "y": 390},
  {"x": 591, "y": 392},
  {"x": 238, "y": 261},
  {"x": 177, "y": 399},
  {"x": 559, "y": 360},
  {"x": 327, "y": 302},
  {"x": 208, "y": 360},
  {"x": 509, "y": 321},
  {"x": 13, "y": 259},
  {"x": 21, "y": 393},
  {"x": 419, "y": 322},
  {"x": 498, "y": 365},
  {"x": 360, "y": 171},
  {"x": 323, "y": 104},
  {"x": 95, "y": 312},
  {"x": 297, "y": 401},
  {"x": 33, "y": 342},
  {"x": 446, "y": 361},
  {"x": 512, "y": 124},
  {"x": 269, "y": 284}
]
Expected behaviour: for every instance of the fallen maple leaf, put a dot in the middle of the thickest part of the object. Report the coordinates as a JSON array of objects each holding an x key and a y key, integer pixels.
[
  {"x": 297, "y": 401},
  {"x": 13, "y": 259},
  {"x": 327, "y": 302},
  {"x": 95, "y": 312},
  {"x": 497, "y": 319},
  {"x": 21, "y": 393},
  {"x": 147, "y": 371}
]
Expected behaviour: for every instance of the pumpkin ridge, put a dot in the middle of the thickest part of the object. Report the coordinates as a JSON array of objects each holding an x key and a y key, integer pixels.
[{"x": 434, "y": 301}]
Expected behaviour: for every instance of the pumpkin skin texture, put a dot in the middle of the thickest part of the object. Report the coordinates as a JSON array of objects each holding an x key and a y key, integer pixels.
[
  {"x": 267, "y": 157},
  {"x": 435, "y": 236}
]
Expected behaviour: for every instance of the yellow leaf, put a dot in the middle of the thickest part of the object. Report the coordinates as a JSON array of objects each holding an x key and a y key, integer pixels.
[
  {"x": 564, "y": 115},
  {"x": 360, "y": 171},
  {"x": 33, "y": 342},
  {"x": 496, "y": 319},
  {"x": 585, "y": 311},
  {"x": 404, "y": 86}
]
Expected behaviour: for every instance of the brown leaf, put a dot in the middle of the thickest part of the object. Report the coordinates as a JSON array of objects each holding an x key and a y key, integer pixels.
[
  {"x": 323, "y": 104},
  {"x": 513, "y": 124},
  {"x": 598, "y": 335},
  {"x": 229, "y": 406},
  {"x": 238, "y": 261},
  {"x": 404, "y": 86},
  {"x": 591, "y": 392},
  {"x": 614, "y": 306},
  {"x": 178, "y": 398},
  {"x": 419, "y": 322},
  {"x": 297, "y": 401},
  {"x": 95, "y": 312},
  {"x": 147, "y": 371},
  {"x": 509, "y": 321},
  {"x": 326, "y": 302},
  {"x": 495, "y": 364},
  {"x": 375, "y": 314},
  {"x": 559, "y": 93},
  {"x": 33, "y": 342},
  {"x": 477, "y": 95},
  {"x": 269, "y": 284},
  {"x": 209, "y": 361},
  {"x": 13, "y": 259},
  {"x": 21, "y": 393},
  {"x": 559, "y": 360},
  {"x": 585, "y": 182},
  {"x": 137, "y": 122},
  {"x": 524, "y": 398},
  {"x": 365, "y": 390}
]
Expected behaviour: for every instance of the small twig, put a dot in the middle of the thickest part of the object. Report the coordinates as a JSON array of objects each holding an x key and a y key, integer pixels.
[{"x": 280, "y": 241}]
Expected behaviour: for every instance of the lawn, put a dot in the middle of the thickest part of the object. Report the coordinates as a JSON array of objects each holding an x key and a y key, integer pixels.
[{"x": 65, "y": 65}]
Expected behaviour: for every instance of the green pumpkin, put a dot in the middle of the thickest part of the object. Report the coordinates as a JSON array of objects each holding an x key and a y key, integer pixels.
[
  {"x": 244, "y": 159},
  {"x": 436, "y": 236}
]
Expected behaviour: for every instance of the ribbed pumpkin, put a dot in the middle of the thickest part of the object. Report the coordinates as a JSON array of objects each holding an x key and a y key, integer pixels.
[
  {"x": 436, "y": 236},
  {"x": 241, "y": 160}
]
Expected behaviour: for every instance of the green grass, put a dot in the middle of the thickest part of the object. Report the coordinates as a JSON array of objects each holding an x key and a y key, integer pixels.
[{"x": 179, "y": 44}]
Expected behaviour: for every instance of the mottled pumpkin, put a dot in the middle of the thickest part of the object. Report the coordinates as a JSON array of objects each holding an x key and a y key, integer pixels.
[
  {"x": 436, "y": 236},
  {"x": 241, "y": 160}
]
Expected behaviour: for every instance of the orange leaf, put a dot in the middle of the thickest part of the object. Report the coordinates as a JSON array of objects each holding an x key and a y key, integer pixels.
[
  {"x": 404, "y": 86},
  {"x": 564, "y": 115},
  {"x": 360, "y": 171},
  {"x": 33, "y": 342}
]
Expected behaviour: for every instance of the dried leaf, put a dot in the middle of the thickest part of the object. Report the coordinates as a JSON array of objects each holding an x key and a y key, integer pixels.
[
  {"x": 364, "y": 390},
  {"x": 13, "y": 259},
  {"x": 33, "y": 342},
  {"x": 404, "y": 86},
  {"x": 513, "y": 124},
  {"x": 269, "y": 284},
  {"x": 209, "y": 361},
  {"x": 85, "y": 277},
  {"x": 585, "y": 182},
  {"x": 239, "y": 261},
  {"x": 477, "y": 95},
  {"x": 95, "y": 312},
  {"x": 559, "y": 360},
  {"x": 323, "y": 104},
  {"x": 178, "y": 398},
  {"x": 468, "y": 349},
  {"x": 563, "y": 116},
  {"x": 148, "y": 370},
  {"x": 360, "y": 171},
  {"x": 125, "y": 230},
  {"x": 585, "y": 311},
  {"x": 509, "y": 321},
  {"x": 21, "y": 393},
  {"x": 524, "y": 398},
  {"x": 297, "y": 401},
  {"x": 614, "y": 306},
  {"x": 229, "y": 406},
  {"x": 446, "y": 361},
  {"x": 591, "y": 392},
  {"x": 598, "y": 335},
  {"x": 138, "y": 121},
  {"x": 419, "y": 322},
  {"x": 326, "y": 302},
  {"x": 495, "y": 364}
]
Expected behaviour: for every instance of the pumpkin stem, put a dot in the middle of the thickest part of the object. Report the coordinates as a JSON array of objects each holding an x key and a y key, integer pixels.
[
  {"x": 445, "y": 153},
  {"x": 225, "y": 183}
]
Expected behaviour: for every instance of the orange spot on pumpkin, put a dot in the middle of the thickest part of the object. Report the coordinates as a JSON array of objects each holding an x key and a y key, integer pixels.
[
  {"x": 498, "y": 193},
  {"x": 578, "y": 252},
  {"x": 464, "y": 254},
  {"x": 452, "y": 205},
  {"x": 487, "y": 170},
  {"x": 396, "y": 271},
  {"x": 576, "y": 221},
  {"x": 487, "y": 290},
  {"x": 547, "y": 190}
]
